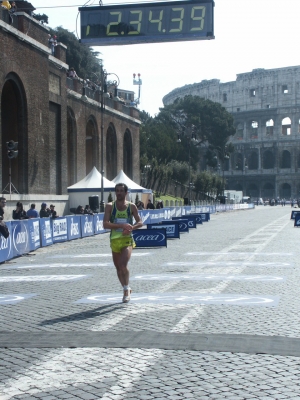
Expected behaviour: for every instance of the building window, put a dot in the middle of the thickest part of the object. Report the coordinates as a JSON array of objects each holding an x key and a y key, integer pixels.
[
  {"x": 286, "y": 126},
  {"x": 285, "y": 89},
  {"x": 268, "y": 105},
  {"x": 238, "y": 109},
  {"x": 254, "y": 130},
  {"x": 252, "y": 92},
  {"x": 224, "y": 96},
  {"x": 269, "y": 127}
]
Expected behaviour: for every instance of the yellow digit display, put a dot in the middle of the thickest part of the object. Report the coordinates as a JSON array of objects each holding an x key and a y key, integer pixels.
[
  {"x": 156, "y": 21},
  {"x": 138, "y": 22},
  {"x": 147, "y": 22},
  {"x": 180, "y": 20},
  {"x": 115, "y": 23},
  {"x": 200, "y": 18}
]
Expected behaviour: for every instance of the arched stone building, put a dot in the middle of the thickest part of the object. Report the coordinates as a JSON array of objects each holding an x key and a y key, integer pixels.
[
  {"x": 57, "y": 129},
  {"x": 265, "y": 105}
]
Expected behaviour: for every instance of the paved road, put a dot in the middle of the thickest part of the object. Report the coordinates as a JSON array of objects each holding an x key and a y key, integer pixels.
[{"x": 215, "y": 315}]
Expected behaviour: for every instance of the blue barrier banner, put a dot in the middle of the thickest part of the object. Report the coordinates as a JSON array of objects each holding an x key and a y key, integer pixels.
[
  {"x": 204, "y": 215},
  {"x": 150, "y": 237},
  {"x": 6, "y": 252},
  {"x": 183, "y": 224},
  {"x": 59, "y": 229},
  {"x": 157, "y": 216},
  {"x": 172, "y": 228},
  {"x": 73, "y": 227},
  {"x": 167, "y": 212},
  {"x": 191, "y": 220},
  {"x": 46, "y": 232},
  {"x": 98, "y": 224},
  {"x": 297, "y": 220},
  {"x": 172, "y": 212},
  {"x": 145, "y": 216},
  {"x": 20, "y": 237},
  {"x": 178, "y": 212},
  {"x": 87, "y": 225},
  {"x": 199, "y": 218},
  {"x": 294, "y": 213},
  {"x": 34, "y": 233},
  {"x": 186, "y": 210}
]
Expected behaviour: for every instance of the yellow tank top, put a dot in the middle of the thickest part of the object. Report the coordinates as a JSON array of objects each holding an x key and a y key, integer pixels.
[{"x": 120, "y": 217}]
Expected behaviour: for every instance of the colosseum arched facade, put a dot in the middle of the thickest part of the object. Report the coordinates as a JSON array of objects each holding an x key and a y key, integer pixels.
[{"x": 265, "y": 104}]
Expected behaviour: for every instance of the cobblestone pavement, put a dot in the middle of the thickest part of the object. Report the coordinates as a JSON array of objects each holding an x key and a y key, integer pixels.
[{"x": 243, "y": 269}]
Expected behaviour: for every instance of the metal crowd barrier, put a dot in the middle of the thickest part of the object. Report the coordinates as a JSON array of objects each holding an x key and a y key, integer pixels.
[{"x": 28, "y": 235}]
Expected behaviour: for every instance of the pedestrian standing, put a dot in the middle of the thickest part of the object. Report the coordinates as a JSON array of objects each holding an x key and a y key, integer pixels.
[
  {"x": 118, "y": 218},
  {"x": 2, "y": 205},
  {"x": 32, "y": 212}
]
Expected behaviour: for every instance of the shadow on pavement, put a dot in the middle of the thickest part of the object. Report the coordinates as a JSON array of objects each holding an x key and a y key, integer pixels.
[{"x": 84, "y": 314}]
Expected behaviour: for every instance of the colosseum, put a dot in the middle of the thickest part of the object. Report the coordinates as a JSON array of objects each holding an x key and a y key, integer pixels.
[{"x": 265, "y": 104}]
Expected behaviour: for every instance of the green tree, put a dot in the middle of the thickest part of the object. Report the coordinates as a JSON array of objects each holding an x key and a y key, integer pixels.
[
  {"x": 84, "y": 60},
  {"x": 41, "y": 17}
]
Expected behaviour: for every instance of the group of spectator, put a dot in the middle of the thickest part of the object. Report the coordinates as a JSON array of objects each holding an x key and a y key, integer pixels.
[
  {"x": 20, "y": 213},
  {"x": 11, "y": 7},
  {"x": 87, "y": 210},
  {"x": 52, "y": 43},
  {"x": 150, "y": 206}
]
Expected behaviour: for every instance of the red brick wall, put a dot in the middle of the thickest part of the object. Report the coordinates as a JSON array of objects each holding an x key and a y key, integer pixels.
[{"x": 46, "y": 115}]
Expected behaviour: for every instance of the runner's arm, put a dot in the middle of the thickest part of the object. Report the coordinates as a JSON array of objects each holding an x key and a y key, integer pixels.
[{"x": 138, "y": 222}]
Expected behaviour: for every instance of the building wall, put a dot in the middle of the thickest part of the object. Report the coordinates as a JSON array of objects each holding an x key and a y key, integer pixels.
[
  {"x": 260, "y": 102},
  {"x": 34, "y": 104}
]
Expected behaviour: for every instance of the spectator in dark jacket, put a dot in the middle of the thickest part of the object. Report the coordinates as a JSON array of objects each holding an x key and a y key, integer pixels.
[
  {"x": 44, "y": 212},
  {"x": 2, "y": 205},
  {"x": 79, "y": 210},
  {"x": 53, "y": 213},
  {"x": 19, "y": 212}
]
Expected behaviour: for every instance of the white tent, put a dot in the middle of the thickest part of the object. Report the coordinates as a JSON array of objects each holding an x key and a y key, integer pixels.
[
  {"x": 80, "y": 192},
  {"x": 132, "y": 186},
  {"x": 143, "y": 193}
]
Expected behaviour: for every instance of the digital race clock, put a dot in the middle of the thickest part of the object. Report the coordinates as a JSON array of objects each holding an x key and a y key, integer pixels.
[{"x": 147, "y": 22}]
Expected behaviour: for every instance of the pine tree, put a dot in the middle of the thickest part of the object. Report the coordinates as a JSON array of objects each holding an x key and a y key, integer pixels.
[{"x": 110, "y": 198}]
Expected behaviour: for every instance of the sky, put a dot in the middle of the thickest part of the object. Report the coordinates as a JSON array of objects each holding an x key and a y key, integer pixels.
[{"x": 249, "y": 34}]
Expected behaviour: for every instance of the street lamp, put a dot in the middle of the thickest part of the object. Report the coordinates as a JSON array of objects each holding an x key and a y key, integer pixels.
[
  {"x": 223, "y": 155},
  {"x": 104, "y": 95},
  {"x": 189, "y": 133},
  {"x": 138, "y": 82}
]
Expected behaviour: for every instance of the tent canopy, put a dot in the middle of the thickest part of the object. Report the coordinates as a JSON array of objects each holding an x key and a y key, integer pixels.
[
  {"x": 92, "y": 183},
  {"x": 132, "y": 186}
]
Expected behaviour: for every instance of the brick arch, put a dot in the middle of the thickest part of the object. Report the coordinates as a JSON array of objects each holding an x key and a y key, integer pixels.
[
  {"x": 252, "y": 190},
  {"x": 253, "y": 160},
  {"x": 268, "y": 190},
  {"x": 285, "y": 159},
  {"x": 91, "y": 144},
  {"x": 285, "y": 191},
  {"x": 111, "y": 152},
  {"x": 14, "y": 116},
  {"x": 268, "y": 160},
  {"x": 127, "y": 154},
  {"x": 71, "y": 146}
]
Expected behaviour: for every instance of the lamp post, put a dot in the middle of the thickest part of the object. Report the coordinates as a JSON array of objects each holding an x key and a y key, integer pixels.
[
  {"x": 223, "y": 155},
  {"x": 138, "y": 82},
  {"x": 104, "y": 94},
  {"x": 189, "y": 132}
]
